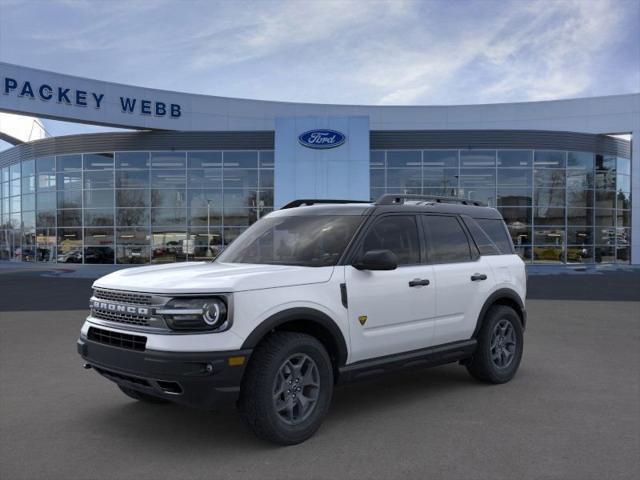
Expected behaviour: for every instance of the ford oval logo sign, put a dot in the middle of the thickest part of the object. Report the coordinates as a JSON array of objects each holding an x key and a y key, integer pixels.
[{"x": 322, "y": 138}]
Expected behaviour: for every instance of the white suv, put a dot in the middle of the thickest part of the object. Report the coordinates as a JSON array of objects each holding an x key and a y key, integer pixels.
[{"x": 318, "y": 293}]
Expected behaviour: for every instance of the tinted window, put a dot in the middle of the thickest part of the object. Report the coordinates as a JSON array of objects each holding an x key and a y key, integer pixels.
[
  {"x": 446, "y": 240},
  {"x": 485, "y": 245},
  {"x": 497, "y": 233},
  {"x": 398, "y": 234},
  {"x": 310, "y": 241}
]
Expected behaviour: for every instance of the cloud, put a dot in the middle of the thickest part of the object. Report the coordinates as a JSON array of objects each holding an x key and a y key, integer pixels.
[{"x": 337, "y": 51}]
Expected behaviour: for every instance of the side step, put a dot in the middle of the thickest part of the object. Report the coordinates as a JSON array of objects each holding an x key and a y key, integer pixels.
[{"x": 425, "y": 357}]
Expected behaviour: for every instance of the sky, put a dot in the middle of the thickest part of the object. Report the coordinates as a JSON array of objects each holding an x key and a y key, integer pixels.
[{"x": 395, "y": 52}]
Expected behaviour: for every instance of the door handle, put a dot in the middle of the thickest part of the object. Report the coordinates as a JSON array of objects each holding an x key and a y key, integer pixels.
[
  {"x": 478, "y": 276},
  {"x": 418, "y": 282}
]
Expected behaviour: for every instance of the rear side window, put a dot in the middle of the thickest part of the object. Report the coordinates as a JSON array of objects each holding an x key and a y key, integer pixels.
[
  {"x": 497, "y": 232},
  {"x": 398, "y": 233},
  {"x": 485, "y": 245},
  {"x": 446, "y": 240}
]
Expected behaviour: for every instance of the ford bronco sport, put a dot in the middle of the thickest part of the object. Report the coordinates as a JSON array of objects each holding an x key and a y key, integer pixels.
[{"x": 318, "y": 293}]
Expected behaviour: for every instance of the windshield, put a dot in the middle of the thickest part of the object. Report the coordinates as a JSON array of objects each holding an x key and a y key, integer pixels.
[{"x": 310, "y": 241}]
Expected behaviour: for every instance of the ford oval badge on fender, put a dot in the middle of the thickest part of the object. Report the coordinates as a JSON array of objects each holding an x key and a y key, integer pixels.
[{"x": 322, "y": 138}]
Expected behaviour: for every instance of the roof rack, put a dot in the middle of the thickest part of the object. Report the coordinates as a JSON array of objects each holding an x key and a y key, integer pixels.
[
  {"x": 309, "y": 201},
  {"x": 399, "y": 199}
]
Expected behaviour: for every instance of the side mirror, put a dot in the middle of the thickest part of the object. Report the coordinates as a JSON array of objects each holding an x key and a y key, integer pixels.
[{"x": 377, "y": 260}]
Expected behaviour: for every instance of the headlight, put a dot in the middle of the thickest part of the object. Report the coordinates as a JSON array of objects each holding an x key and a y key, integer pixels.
[{"x": 196, "y": 314}]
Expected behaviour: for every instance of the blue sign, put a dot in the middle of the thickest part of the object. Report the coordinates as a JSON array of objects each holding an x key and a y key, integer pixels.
[{"x": 322, "y": 138}]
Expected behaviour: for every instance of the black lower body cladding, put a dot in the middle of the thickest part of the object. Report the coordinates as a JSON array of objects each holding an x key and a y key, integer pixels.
[{"x": 204, "y": 380}]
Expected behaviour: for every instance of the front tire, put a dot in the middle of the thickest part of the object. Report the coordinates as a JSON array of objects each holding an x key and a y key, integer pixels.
[
  {"x": 140, "y": 396},
  {"x": 500, "y": 344},
  {"x": 287, "y": 388}
]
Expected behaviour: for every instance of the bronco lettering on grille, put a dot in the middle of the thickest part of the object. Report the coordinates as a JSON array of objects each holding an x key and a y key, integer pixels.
[{"x": 117, "y": 308}]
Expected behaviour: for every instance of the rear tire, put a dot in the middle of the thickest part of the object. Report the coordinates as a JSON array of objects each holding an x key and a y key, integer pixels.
[
  {"x": 500, "y": 344},
  {"x": 287, "y": 388},
  {"x": 140, "y": 396}
]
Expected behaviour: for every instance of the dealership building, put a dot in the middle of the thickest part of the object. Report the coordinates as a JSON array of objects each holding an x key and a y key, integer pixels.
[{"x": 193, "y": 171}]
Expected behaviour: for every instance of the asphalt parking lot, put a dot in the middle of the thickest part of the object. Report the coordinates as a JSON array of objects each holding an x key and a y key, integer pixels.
[{"x": 572, "y": 412}]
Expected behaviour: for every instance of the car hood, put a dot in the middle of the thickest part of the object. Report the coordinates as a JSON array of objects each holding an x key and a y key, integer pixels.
[{"x": 207, "y": 277}]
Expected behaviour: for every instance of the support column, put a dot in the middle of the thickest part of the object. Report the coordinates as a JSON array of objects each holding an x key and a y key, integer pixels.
[{"x": 635, "y": 197}]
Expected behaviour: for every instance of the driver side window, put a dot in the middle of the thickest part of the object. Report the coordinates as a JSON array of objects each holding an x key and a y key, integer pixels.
[{"x": 398, "y": 233}]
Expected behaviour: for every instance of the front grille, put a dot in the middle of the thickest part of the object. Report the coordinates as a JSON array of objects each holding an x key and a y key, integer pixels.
[
  {"x": 127, "y": 318},
  {"x": 117, "y": 339},
  {"x": 122, "y": 297}
]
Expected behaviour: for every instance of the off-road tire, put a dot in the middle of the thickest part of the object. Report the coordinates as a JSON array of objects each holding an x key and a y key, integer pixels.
[
  {"x": 482, "y": 365},
  {"x": 263, "y": 376}
]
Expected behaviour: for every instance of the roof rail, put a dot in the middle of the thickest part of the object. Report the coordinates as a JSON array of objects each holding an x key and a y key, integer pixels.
[
  {"x": 310, "y": 201},
  {"x": 399, "y": 199}
]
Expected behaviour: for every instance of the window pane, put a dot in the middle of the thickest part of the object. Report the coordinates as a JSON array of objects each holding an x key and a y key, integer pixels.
[
  {"x": 132, "y": 198},
  {"x": 69, "y": 162},
  {"x": 43, "y": 165},
  {"x": 98, "y": 217},
  {"x": 623, "y": 166},
  {"x": 46, "y": 218},
  {"x": 516, "y": 196},
  {"x": 548, "y": 216},
  {"x": 477, "y": 158},
  {"x": 168, "y": 217},
  {"x": 515, "y": 158},
  {"x": 133, "y": 217},
  {"x": 548, "y": 236},
  {"x": 69, "y": 180},
  {"x": 132, "y": 236},
  {"x": 398, "y": 234},
  {"x": 444, "y": 178},
  {"x": 478, "y": 177},
  {"x": 440, "y": 158},
  {"x": 28, "y": 168},
  {"x": 168, "y": 246},
  {"x": 376, "y": 159},
  {"x": 69, "y": 218},
  {"x": 98, "y": 161},
  {"x": 404, "y": 158},
  {"x": 580, "y": 236},
  {"x": 168, "y": 198},
  {"x": 46, "y": 181},
  {"x": 238, "y": 178},
  {"x": 514, "y": 177},
  {"x": 205, "y": 178},
  {"x": 582, "y": 160},
  {"x": 446, "y": 240},
  {"x": 168, "y": 160},
  {"x": 205, "y": 243},
  {"x": 138, "y": 160},
  {"x": 29, "y": 202},
  {"x": 266, "y": 159},
  {"x": 126, "y": 254},
  {"x": 98, "y": 179},
  {"x": 578, "y": 178},
  {"x": 239, "y": 198},
  {"x": 168, "y": 179},
  {"x": 579, "y": 198},
  {"x": 549, "y": 159},
  {"x": 204, "y": 159},
  {"x": 240, "y": 159},
  {"x": 98, "y": 199},
  {"x": 132, "y": 178},
  {"x": 549, "y": 178},
  {"x": 266, "y": 179},
  {"x": 580, "y": 216},
  {"x": 203, "y": 198},
  {"x": 70, "y": 199},
  {"x": 98, "y": 236},
  {"x": 605, "y": 254},
  {"x": 404, "y": 178},
  {"x": 98, "y": 255}
]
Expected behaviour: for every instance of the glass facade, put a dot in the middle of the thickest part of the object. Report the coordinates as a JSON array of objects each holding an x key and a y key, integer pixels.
[
  {"x": 131, "y": 207},
  {"x": 166, "y": 206},
  {"x": 560, "y": 207}
]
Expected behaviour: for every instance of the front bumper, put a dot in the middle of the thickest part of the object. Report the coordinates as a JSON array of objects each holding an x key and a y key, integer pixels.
[{"x": 198, "y": 379}]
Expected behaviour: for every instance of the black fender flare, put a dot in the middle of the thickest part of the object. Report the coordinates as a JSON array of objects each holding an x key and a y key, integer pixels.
[
  {"x": 305, "y": 314},
  {"x": 511, "y": 297}
]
